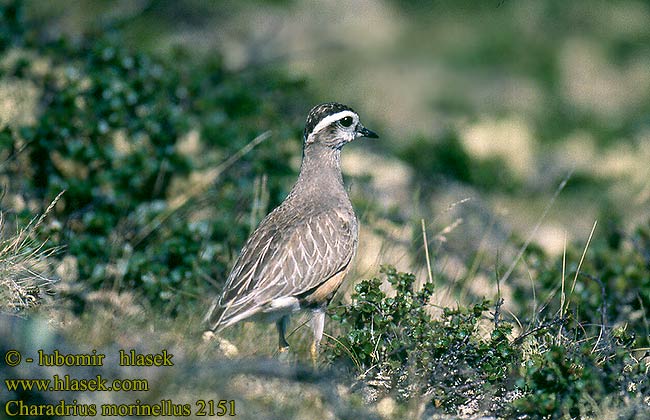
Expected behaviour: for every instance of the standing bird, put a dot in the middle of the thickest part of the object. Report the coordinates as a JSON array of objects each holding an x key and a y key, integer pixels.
[{"x": 299, "y": 254}]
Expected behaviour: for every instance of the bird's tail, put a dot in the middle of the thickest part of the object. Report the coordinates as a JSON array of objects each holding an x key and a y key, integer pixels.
[{"x": 213, "y": 319}]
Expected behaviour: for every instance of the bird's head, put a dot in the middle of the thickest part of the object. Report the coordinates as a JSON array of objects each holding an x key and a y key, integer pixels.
[{"x": 334, "y": 125}]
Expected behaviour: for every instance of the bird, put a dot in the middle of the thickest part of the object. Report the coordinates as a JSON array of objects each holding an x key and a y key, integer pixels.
[{"x": 297, "y": 257}]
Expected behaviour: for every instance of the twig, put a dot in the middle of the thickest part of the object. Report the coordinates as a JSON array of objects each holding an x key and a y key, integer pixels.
[
  {"x": 582, "y": 258},
  {"x": 499, "y": 301},
  {"x": 350, "y": 352},
  {"x": 562, "y": 294},
  {"x": 541, "y": 327},
  {"x": 603, "y": 311}
]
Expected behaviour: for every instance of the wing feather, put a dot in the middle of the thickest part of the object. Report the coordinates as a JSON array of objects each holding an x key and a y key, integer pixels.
[{"x": 286, "y": 256}]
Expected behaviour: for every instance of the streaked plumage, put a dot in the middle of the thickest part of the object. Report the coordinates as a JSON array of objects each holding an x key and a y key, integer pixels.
[{"x": 299, "y": 254}]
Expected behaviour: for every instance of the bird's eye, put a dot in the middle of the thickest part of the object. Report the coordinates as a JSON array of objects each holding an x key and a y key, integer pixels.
[{"x": 346, "y": 122}]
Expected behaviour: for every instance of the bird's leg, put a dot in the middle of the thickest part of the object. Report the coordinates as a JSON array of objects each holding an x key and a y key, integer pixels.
[
  {"x": 317, "y": 324},
  {"x": 282, "y": 325}
]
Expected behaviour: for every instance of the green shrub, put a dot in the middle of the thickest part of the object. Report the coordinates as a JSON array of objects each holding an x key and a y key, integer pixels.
[
  {"x": 611, "y": 288},
  {"x": 396, "y": 343},
  {"x": 591, "y": 352},
  {"x": 569, "y": 376},
  {"x": 465, "y": 356}
]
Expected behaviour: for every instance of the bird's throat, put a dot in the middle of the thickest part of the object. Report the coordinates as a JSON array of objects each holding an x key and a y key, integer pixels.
[{"x": 322, "y": 165}]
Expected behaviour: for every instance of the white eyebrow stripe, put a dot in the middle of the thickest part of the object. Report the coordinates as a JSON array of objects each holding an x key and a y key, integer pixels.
[{"x": 330, "y": 119}]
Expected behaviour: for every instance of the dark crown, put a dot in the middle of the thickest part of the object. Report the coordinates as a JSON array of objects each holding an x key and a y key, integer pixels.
[{"x": 321, "y": 111}]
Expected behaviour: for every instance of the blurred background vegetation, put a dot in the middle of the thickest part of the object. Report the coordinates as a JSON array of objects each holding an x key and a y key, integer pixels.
[{"x": 507, "y": 130}]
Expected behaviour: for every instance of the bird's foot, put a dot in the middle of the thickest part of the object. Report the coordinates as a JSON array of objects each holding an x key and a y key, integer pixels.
[
  {"x": 313, "y": 352},
  {"x": 283, "y": 354}
]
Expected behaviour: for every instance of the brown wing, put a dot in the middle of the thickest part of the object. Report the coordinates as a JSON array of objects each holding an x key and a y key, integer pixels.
[{"x": 285, "y": 257}]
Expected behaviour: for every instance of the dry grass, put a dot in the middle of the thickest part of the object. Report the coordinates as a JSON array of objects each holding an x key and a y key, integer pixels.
[
  {"x": 261, "y": 386},
  {"x": 24, "y": 269}
]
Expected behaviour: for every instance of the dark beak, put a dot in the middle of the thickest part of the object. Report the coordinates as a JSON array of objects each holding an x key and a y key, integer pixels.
[{"x": 364, "y": 132}]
